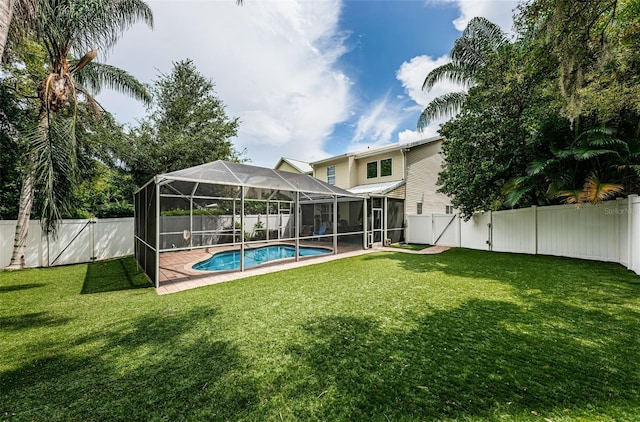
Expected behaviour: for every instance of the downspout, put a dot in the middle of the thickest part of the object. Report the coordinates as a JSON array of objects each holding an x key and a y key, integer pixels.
[
  {"x": 157, "y": 194},
  {"x": 242, "y": 229},
  {"x": 335, "y": 224},
  {"x": 384, "y": 220},
  {"x": 365, "y": 241},
  {"x": 296, "y": 222}
]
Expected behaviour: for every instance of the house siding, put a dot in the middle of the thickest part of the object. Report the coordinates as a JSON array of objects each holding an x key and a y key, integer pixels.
[
  {"x": 398, "y": 193},
  {"x": 343, "y": 172},
  {"x": 287, "y": 167},
  {"x": 423, "y": 165},
  {"x": 396, "y": 169}
]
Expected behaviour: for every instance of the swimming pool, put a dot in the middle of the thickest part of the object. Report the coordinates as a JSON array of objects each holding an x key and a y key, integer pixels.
[{"x": 230, "y": 260}]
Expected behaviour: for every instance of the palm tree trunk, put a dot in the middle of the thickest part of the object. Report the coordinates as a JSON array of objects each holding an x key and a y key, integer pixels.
[
  {"x": 24, "y": 214},
  {"x": 27, "y": 194},
  {"x": 6, "y": 14}
]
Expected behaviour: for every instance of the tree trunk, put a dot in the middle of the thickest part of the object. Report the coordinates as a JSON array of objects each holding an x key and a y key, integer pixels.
[
  {"x": 6, "y": 14},
  {"x": 27, "y": 193},
  {"x": 24, "y": 214}
]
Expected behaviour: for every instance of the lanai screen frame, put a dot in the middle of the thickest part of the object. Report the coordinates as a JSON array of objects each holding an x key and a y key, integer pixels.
[{"x": 304, "y": 190}]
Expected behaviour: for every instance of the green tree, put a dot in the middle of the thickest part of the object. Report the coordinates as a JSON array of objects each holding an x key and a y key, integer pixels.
[
  {"x": 469, "y": 55},
  {"x": 14, "y": 14},
  {"x": 501, "y": 128},
  {"x": 598, "y": 67},
  {"x": 186, "y": 126},
  {"x": 596, "y": 45},
  {"x": 64, "y": 27}
]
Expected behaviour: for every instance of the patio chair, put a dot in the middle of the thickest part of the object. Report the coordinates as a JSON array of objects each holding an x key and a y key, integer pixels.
[{"x": 320, "y": 232}]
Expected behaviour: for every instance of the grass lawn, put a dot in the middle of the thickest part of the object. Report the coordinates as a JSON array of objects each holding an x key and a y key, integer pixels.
[{"x": 463, "y": 335}]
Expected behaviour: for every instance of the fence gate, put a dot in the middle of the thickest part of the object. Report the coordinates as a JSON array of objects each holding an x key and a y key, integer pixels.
[
  {"x": 73, "y": 243},
  {"x": 445, "y": 229}
]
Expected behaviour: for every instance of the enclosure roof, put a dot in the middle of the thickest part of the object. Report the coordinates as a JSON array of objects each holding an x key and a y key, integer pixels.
[
  {"x": 376, "y": 188},
  {"x": 237, "y": 174}
]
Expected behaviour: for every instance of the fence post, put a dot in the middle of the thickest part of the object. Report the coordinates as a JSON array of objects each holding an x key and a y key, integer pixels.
[
  {"x": 535, "y": 228},
  {"x": 433, "y": 230},
  {"x": 630, "y": 231}
]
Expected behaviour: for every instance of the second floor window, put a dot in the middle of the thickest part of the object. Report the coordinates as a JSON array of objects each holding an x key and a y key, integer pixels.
[
  {"x": 331, "y": 175},
  {"x": 372, "y": 170},
  {"x": 385, "y": 167}
]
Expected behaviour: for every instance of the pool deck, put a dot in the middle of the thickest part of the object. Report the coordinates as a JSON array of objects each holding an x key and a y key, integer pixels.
[{"x": 177, "y": 275}]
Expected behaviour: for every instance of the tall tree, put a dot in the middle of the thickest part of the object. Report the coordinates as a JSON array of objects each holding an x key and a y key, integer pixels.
[
  {"x": 469, "y": 55},
  {"x": 16, "y": 13},
  {"x": 186, "y": 126},
  {"x": 65, "y": 27},
  {"x": 501, "y": 128},
  {"x": 595, "y": 43}
]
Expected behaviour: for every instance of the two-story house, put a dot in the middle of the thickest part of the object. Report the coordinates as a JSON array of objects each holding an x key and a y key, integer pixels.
[{"x": 397, "y": 180}]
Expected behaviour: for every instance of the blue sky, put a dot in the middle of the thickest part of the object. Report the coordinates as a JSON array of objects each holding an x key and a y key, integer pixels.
[{"x": 308, "y": 79}]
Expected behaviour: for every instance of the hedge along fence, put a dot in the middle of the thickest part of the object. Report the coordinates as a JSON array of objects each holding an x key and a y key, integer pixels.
[{"x": 609, "y": 231}]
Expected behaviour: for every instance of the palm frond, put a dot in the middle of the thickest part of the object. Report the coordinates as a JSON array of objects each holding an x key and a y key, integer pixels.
[
  {"x": 571, "y": 196},
  {"x": 53, "y": 146},
  {"x": 454, "y": 72},
  {"x": 483, "y": 28},
  {"x": 515, "y": 190},
  {"x": 513, "y": 197},
  {"x": 595, "y": 190},
  {"x": 92, "y": 104},
  {"x": 470, "y": 51},
  {"x": 96, "y": 76},
  {"x": 442, "y": 106},
  {"x": 537, "y": 167},
  {"x": 586, "y": 153},
  {"x": 66, "y": 25}
]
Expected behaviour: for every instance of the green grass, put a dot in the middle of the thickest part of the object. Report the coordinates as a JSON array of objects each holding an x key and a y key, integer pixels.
[
  {"x": 463, "y": 335},
  {"x": 410, "y": 246}
]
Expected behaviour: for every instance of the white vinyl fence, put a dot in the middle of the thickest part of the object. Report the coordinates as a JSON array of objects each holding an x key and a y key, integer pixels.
[
  {"x": 609, "y": 231},
  {"x": 76, "y": 241}
]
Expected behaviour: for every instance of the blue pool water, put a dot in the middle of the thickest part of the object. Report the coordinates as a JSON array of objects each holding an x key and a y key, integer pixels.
[{"x": 230, "y": 260}]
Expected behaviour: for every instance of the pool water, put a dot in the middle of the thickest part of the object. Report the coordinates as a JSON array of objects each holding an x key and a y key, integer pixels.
[{"x": 230, "y": 260}]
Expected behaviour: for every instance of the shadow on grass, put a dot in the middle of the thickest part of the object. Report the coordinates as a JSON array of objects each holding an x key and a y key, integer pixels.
[
  {"x": 27, "y": 286},
  {"x": 113, "y": 275},
  {"x": 486, "y": 360},
  {"x": 153, "y": 367},
  {"x": 32, "y": 320}
]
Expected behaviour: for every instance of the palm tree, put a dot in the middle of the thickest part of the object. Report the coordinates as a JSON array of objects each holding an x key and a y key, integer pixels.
[
  {"x": 468, "y": 56},
  {"x": 11, "y": 12},
  {"x": 65, "y": 27},
  {"x": 597, "y": 166}
]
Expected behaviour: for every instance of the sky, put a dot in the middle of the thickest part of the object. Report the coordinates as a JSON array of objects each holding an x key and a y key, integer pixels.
[{"x": 308, "y": 79}]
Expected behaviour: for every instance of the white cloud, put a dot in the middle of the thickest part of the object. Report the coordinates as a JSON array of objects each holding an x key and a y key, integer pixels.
[
  {"x": 377, "y": 124},
  {"x": 499, "y": 12},
  {"x": 411, "y": 74},
  {"x": 274, "y": 66}
]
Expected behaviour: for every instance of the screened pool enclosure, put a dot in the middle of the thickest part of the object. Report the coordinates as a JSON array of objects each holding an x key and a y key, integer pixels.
[{"x": 222, "y": 206}]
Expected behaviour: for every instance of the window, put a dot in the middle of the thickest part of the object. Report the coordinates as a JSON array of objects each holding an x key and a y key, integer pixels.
[
  {"x": 331, "y": 175},
  {"x": 448, "y": 209},
  {"x": 372, "y": 170},
  {"x": 419, "y": 208},
  {"x": 385, "y": 167}
]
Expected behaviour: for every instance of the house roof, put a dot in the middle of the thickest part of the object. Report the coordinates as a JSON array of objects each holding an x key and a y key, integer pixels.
[
  {"x": 381, "y": 150},
  {"x": 238, "y": 174},
  {"x": 302, "y": 166},
  {"x": 376, "y": 188}
]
